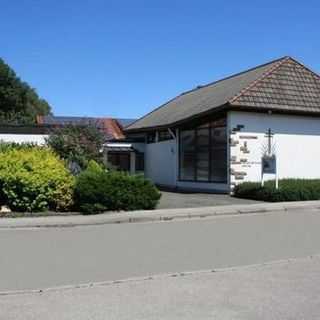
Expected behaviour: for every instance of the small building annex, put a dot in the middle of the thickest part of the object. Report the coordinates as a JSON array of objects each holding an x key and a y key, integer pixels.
[{"x": 216, "y": 135}]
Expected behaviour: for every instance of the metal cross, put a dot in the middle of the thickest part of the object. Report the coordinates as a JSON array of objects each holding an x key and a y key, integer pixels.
[{"x": 269, "y": 135}]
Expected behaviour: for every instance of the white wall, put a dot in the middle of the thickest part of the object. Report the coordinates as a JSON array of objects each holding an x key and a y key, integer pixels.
[
  {"x": 296, "y": 144},
  {"x": 160, "y": 162},
  {"x": 24, "y": 138}
]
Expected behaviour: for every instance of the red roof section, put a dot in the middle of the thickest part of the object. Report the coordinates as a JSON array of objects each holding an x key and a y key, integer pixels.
[{"x": 109, "y": 126}]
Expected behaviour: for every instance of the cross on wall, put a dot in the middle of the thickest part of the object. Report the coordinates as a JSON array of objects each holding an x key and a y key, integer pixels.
[{"x": 269, "y": 135}]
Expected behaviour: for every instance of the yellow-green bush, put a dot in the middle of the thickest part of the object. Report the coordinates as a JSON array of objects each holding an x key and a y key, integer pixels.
[{"x": 34, "y": 179}]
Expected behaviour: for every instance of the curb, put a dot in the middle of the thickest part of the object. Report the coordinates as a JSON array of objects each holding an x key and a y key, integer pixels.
[{"x": 154, "y": 215}]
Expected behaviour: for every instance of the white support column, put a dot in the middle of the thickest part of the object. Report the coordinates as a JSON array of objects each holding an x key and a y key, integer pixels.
[
  {"x": 105, "y": 156},
  {"x": 132, "y": 163}
]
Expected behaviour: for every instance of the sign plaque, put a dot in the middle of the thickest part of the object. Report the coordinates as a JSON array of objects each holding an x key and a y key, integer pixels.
[{"x": 269, "y": 164}]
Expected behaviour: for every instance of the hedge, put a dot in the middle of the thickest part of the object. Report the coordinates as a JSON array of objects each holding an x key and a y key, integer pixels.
[
  {"x": 289, "y": 190},
  {"x": 97, "y": 190},
  {"x": 34, "y": 179}
]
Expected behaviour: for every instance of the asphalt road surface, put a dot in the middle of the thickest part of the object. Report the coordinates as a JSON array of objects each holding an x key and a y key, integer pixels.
[
  {"x": 285, "y": 291},
  {"x": 41, "y": 258}
]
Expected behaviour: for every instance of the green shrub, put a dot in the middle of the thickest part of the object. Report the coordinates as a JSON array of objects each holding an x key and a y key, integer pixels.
[
  {"x": 97, "y": 190},
  {"x": 289, "y": 190},
  {"x": 78, "y": 144},
  {"x": 34, "y": 179}
]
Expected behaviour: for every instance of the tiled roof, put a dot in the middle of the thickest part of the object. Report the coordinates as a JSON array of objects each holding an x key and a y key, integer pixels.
[
  {"x": 289, "y": 87},
  {"x": 283, "y": 85},
  {"x": 125, "y": 122},
  {"x": 112, "y": 128}
]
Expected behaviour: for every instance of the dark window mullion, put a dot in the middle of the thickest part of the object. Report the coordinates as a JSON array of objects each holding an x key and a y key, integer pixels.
[
  {"x": 179, "y": 160},
  {"x": 210, "y": 153},
  {"x": 195, "y": 155}
]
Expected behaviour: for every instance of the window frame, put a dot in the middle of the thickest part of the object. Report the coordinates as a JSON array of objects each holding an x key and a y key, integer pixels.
[{"x": 211, "y": 127}]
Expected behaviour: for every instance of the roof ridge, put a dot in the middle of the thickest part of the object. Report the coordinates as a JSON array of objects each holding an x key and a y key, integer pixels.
[
  {"x": 279, "y": 62},
  {"x": 234, "y": 75},
  {"x": 307, "y": 68}
]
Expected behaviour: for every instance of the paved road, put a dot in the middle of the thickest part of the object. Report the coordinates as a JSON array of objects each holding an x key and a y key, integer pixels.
[
  {"x": 40, "y": 258},
  {"x": 173, "y": 200},
  {"x": 286, "y": 291}
]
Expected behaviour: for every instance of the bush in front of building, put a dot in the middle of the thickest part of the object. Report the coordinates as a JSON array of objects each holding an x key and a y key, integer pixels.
[
  {"x": 289, "y": 190},
  {"x": 34, "y": 179},
  {"x": 98, "y": 190},
  {"x": 77, "y": 145}
]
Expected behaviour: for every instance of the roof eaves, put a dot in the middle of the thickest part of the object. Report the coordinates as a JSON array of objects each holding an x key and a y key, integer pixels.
[
  {"x": 180, "y": 122},
  {"x": 277, "y": 110}
]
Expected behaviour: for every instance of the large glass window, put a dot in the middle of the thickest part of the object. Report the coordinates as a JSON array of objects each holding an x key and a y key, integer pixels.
[
  {"x": 219, "y": 154},
  {"x": 187, "y": 155},
  {"x": 203, "y": 153}
]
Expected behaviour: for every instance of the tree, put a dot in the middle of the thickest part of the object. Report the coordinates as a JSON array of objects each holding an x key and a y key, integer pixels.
[
  {"x": 19, "y": 103},
  {"x": 77, "y": 144}
]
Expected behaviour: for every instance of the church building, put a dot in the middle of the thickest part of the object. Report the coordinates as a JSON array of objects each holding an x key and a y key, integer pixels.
[{"x": 261, "y": 122}]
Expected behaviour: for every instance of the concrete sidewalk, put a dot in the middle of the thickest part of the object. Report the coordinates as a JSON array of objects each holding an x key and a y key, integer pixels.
[{"x": 154, "y": 215}]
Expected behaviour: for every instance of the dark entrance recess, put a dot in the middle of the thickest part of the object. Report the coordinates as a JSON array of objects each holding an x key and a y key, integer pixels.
[{"x": 119, "y": 160}]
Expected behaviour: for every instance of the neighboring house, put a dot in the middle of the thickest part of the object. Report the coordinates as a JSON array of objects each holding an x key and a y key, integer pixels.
[
  {"x": 215, "y": 136},
  {"x": 119, "y": 157},
  {"x": 23, "y": 133},
  {"x": 110, "y": 127}
]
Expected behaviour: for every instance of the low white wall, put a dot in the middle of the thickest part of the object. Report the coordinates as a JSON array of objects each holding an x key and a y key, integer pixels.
[
  {"x": 204, "y": 186},
  {"x": 160, "y": 162},
  {"x": 24, "y": 138},
  {"x": 296, "y": 144}
]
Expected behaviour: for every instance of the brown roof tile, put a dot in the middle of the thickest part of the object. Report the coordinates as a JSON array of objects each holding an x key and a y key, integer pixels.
[{"x": 289, "y": 86}]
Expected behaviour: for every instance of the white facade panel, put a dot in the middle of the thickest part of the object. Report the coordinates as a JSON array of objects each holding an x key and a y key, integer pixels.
[
  {"x": 296, "y": 143},
  {"x": 160, "y": 162},
  {"x": 24, "y": 138}
]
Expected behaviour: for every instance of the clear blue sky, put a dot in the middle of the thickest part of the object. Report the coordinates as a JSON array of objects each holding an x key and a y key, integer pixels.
[{"x": 123, "y": 58}]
